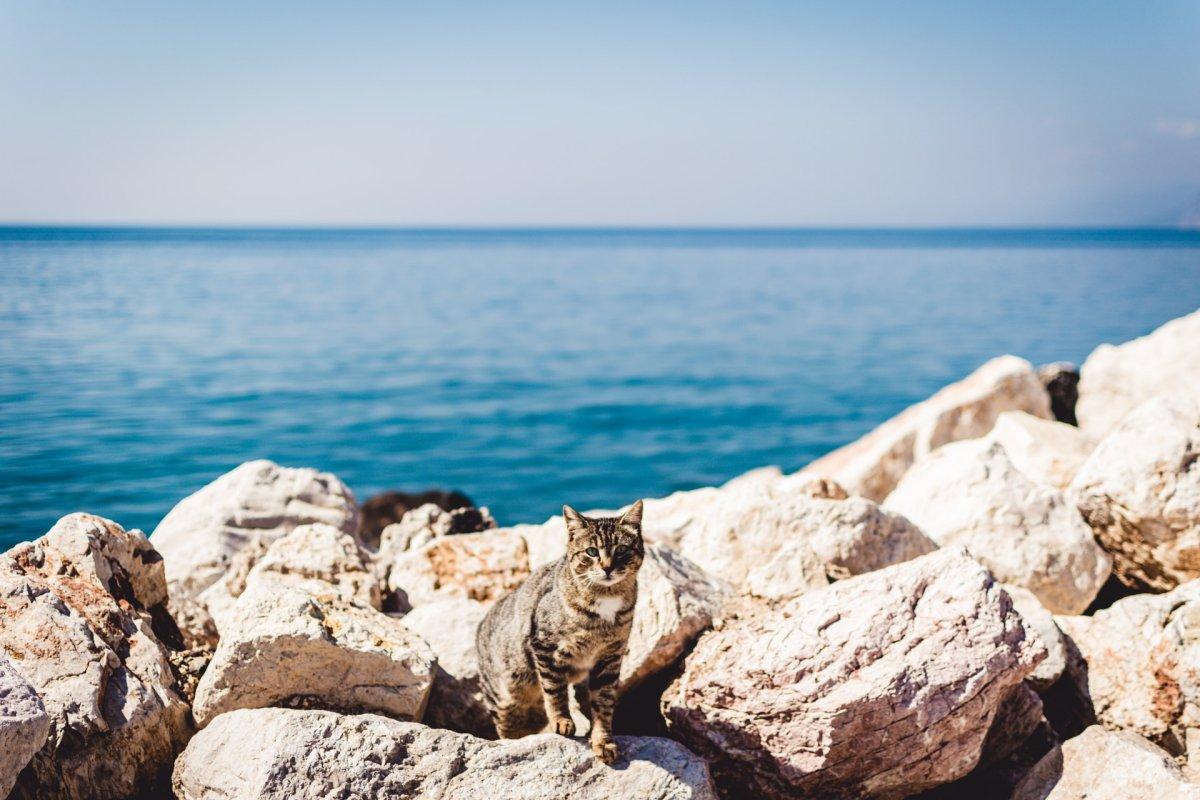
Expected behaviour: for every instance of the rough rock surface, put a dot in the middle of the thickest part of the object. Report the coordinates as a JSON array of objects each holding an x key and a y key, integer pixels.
[
  {"x": 24, "y": 724},
  {"x": 1141, "y": 667},
  {"x": 780, "y": 538},
  {"x": 456, "y": 702},
  {"x": 970, "y": 494},
  {"x": 1040, "y": 622},
  {"x": 881, "y": 685},
  {"x": 873, "y": 465},
  {"x": 1061, "y": 381},
  {"x": 1140, "y": 492},
  {"x": 480, "y": 566},
  {"x": 1106, "y": 765},
  {"x": 676, "y": 602},
  {"x": 1116, "y": 380},
  {"x": 259, "y": 501},
  {"x": 282, "y": 754},
  {"x": 316, "y": 558},
  {"x": 77, "y": 608},
  {"x": 285, "y": 646},
  {"x": 1047, "y": 452}
]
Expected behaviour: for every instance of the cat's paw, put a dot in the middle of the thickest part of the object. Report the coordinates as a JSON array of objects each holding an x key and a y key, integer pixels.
[
  {"x": 605, "y": 750},
  {"x": 564, "y": 727}
]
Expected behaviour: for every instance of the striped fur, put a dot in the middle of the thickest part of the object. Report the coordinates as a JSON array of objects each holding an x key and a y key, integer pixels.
[{"x": 566, "y": 626}]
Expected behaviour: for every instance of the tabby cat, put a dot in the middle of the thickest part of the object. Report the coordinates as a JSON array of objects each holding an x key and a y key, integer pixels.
[{"x": 567, "y": 624}]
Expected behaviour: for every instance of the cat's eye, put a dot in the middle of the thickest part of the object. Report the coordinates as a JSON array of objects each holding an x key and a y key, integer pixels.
[
  {"x": 593, "y": 552},
  {"x": 621, "y": 549}
]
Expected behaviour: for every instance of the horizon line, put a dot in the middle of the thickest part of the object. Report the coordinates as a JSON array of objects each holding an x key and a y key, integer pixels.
[{"x": 581, "y": 227}]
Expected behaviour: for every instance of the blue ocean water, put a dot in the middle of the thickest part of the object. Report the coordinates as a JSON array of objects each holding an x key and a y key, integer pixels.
[{"x": 523, "y": 367}]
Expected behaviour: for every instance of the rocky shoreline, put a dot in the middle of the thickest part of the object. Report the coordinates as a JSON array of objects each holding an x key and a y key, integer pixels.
[{"x": 977, "y": 599}]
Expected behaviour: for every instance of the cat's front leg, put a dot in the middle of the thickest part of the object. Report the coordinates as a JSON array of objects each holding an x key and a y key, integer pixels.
[
  {"x": 602, "y": 686},
  {"x": 552, "y": 675}
]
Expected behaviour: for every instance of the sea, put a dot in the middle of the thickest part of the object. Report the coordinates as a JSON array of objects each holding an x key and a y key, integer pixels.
[{"x": 524, "y": 367}]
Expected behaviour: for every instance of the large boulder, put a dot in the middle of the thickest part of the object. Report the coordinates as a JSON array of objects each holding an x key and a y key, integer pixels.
[
  {"x": 881, "y": 685},
  {"x": 456, "y": 701},
  {"x": 873, "y": 465},
  {"x": 1106, "y": 765},
  {"x": 1140, "y": 492},
  {"x": 970, "y": 494},
  {"x": 1048, "y": 452},
  {"x": 283, "y": 754},
  {"x": 312, "y": 557},
  {"x": 259, "y": 501},
  {"x": 286, "y": 646},
  {"x": 677, "y": 601},
  {"x": 1116, "y": 380},
  {"x": 24, "y": 724},
  {"x": 79, "y": 610},
  {"x": 1140, "y": 667},
  {"x": 480, "y": 566},
  {"x": 779, "y": 538}
]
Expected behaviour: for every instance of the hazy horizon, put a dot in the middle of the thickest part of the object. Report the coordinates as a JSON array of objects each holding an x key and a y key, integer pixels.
[{"x": 533, "y": 114}]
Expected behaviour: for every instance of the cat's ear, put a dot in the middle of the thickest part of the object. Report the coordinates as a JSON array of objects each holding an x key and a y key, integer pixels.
[
  {"x": 576, "y": 524},
  {"x": 633, "y": 517}
]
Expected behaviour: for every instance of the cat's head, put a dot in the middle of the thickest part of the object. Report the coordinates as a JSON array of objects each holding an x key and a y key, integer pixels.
[{"x": 604, "y": 551}]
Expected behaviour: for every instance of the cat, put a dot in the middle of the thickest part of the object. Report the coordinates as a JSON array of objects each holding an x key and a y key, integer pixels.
[{"x": 567, "y": 624}]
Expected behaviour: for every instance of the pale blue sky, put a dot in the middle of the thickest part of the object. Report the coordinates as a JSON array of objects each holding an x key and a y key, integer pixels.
[{"x": 746, "y": 113}]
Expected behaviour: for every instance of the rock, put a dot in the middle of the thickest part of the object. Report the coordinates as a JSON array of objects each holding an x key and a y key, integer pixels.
[
  {"x": 1140, "y": 492},
  {"x": 282, "y": 754},
  {"x": 1140, "y": 667},
  {"x": 317, "y": 558},
  {"x": 79, "y": 610},
  {"x": 1116, "y": 380},
  {"x": 881, "y": 685},
  {"x": 970, "y": 494},
  {"x": 421, "y": 526},
  {"x": 854, "y": 536},
  {"x": 873, "y": 465},
  {"x": 1106, "y": 765},
  {"x": 286, "y": 646},
  {"x": 448, "y": 625},
  {"x": 387, "y": 508},
  {"x": 1061, "y": 382},
  {"x": 258, "y": 502},
  {"x": 1047, "y": 452},
  {"x": 24, "y": 724},
  {"x": 480, "y": 566},
  {"x": 1040, "y": 622},
  {"x": 996, "y": 779},
  {"x": 676, "y": 602}
]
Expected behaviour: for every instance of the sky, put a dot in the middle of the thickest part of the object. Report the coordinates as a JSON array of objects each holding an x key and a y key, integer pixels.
[{"x": 648, "y": 113}]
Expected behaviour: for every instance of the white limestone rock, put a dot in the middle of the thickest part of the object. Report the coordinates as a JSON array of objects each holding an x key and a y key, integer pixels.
[
  {"x": 873, "y": 465},
  {"x": 882, "y": 685},
  {"x": 1040, "y": 622},
  {"x": 1142, "y": 670},
  {"x": 1046, "y": 451},
  {"x": 456, "y": 702},
  {"x": 970, "y": 494},
  {"x": 479, "y": 566},
  {"x": 1106, "y": 765},
  {"x": 1140, "y": 492},
  {"x": 287, "y": 646},
  {"x": 1117, "y": 379},
  {"x": 24, "y": 724},
  {"x": 283, "y": 754},
  {"x": 316, "y": 558},
  {"x": 259, "y": 501},
  {"x": 78, "y": 613}
]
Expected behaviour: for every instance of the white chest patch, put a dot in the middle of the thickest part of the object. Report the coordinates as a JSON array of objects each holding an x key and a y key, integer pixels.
[{"x": 607, "y": 606}]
